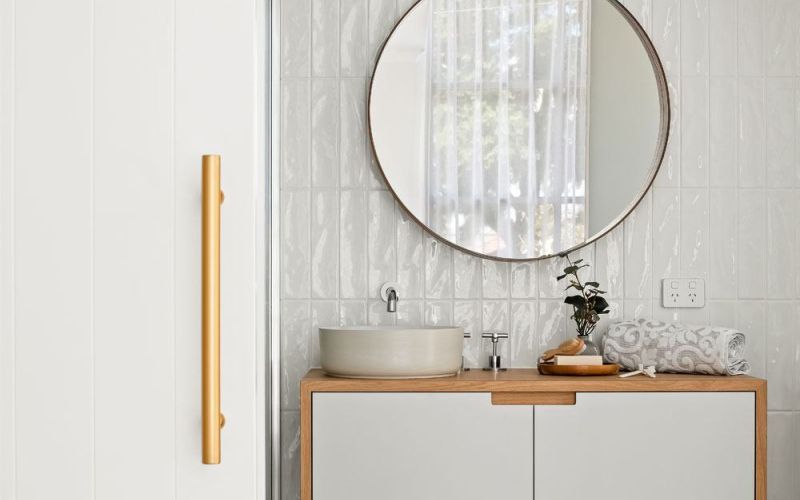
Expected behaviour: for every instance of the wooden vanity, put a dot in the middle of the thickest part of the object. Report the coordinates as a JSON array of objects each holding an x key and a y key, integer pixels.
[{"x": 520, "y": 435}]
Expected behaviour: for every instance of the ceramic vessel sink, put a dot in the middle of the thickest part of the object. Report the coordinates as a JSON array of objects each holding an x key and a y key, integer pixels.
[{"x": 391, "y": 352}]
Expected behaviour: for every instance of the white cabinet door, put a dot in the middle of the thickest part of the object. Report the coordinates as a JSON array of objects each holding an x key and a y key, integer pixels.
[
  {"x": 658, "y": 446},
  {"x": 105, "y": 110},
  {"x": 416, "y": 446}
]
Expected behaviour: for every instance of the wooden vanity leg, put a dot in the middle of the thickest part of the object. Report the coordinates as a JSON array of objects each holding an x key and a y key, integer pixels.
[
  {"x": 761, "y": 441},
  {"x": 305, "y": 442}
]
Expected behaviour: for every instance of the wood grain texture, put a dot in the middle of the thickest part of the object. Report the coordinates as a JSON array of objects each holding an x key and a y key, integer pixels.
[
  {"x": 527, "y": 383},
  {"x": 305, "y": 443},
  {"x": 533, "y": 398},
  {"x": 578, "y": 370},
  {"x": 529, "y": 380},
  {"x": 761, "y": 441}
]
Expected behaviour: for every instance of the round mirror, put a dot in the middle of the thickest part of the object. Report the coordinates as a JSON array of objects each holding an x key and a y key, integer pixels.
[{"x": 518, "y": 129}]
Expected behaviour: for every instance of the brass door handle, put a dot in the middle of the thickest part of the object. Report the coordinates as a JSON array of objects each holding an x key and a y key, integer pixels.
[{"x": 213, "y": 420}]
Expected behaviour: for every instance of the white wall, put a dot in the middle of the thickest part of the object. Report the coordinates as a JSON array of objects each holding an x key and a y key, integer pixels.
[{"x": 723, "y": 207}]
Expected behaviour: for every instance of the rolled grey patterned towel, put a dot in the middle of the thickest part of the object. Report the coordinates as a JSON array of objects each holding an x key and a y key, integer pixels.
[{"x": 676, "y": 348}]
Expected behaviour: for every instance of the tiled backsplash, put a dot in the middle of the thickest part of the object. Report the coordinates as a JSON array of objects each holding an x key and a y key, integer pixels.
[{"x": 724, "y": 206}]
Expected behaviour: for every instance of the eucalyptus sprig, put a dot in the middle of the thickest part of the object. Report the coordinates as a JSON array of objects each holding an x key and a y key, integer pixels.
[{"x": 588, "y": 304}]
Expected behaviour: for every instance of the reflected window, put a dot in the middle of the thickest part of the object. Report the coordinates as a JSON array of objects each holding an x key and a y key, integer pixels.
[{"x": 507, "y": 121}]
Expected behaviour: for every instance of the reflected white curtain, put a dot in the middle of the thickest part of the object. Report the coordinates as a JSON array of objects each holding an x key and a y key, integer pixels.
[{"x": 507, "y": 124}]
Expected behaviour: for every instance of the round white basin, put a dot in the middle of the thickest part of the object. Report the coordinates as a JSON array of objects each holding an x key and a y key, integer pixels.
[{"x": 391, "y": 352}]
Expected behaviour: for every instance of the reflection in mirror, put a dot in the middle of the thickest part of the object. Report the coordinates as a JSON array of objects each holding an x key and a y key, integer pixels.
[{"x": 517, "y": 128}]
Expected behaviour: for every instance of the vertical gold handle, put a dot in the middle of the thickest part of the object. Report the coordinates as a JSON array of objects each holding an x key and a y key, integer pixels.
[{"x": 213, "y": 420}]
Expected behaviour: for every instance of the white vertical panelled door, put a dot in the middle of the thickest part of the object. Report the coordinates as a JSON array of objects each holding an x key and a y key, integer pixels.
[{"x": 106, "y": 107}]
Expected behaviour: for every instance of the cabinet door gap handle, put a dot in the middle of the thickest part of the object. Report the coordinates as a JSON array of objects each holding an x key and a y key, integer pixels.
[{"x": 533, "y": 398}]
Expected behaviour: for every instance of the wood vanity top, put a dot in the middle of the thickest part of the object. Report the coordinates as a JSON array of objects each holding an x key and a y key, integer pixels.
[{"x": 529, "y": 380}]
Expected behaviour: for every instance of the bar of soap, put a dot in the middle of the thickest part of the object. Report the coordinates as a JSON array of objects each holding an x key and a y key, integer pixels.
[{"x": 579, "y": 360}]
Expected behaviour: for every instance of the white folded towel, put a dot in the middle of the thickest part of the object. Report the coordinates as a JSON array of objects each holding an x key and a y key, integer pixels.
[{"x": 676, "y": 348}]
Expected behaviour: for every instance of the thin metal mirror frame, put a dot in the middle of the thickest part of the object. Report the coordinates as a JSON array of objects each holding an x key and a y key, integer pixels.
[{"x": 658, "y": 156}]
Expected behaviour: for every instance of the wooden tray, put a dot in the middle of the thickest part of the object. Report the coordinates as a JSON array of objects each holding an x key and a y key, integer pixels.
[{"x": 578, "y": 370}]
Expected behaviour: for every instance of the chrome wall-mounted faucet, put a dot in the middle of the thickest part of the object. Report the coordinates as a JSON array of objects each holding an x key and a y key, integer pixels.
[
  {"x": 391, "y": 301},
  {"x": 389, "y": 295}
]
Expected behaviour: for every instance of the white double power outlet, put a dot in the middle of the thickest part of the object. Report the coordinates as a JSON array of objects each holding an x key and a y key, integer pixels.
[{"x": 683, "y": 292}]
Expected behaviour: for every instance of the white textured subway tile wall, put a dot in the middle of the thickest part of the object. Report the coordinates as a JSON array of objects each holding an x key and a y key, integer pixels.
[{"x": 724, "y": 206}]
